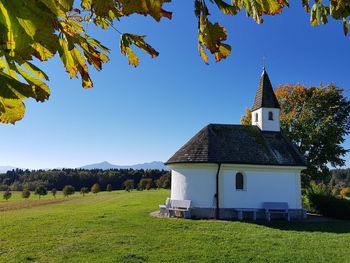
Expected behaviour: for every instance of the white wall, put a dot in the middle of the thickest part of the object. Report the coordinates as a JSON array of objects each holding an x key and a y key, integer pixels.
[
  {"x": 260, "y": 185},
  {"x": 197, "y": 182},
  {"x": 263, "y": 120}
]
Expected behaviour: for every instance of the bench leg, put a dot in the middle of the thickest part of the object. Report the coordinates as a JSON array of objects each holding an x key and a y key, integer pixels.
[
  {"x": 268, "y": 216},
  {"x": 187, "y": 214}
]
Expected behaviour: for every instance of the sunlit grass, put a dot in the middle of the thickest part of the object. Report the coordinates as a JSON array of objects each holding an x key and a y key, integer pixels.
[{"x": 117, "y": 227}]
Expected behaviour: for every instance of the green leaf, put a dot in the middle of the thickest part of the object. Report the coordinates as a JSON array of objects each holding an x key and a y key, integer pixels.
[
  {"x": 41, "y": 91},
  {"x": 227, "y": 8}
]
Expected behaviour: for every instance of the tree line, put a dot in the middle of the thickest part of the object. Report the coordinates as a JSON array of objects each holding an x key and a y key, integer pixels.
[{"x": 116, "y": 179}]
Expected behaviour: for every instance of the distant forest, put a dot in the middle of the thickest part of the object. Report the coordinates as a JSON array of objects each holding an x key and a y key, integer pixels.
[{"x": 17, "y": 179}]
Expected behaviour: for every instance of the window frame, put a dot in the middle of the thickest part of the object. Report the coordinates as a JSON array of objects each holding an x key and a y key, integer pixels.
[
  {"x": 243, "y": 181},
  {"x": 270, "y": 117},
  {"x": 256, "y": 117}
]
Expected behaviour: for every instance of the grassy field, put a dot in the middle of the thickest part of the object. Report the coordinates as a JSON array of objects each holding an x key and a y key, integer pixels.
[{"x": 117, "y": 227}]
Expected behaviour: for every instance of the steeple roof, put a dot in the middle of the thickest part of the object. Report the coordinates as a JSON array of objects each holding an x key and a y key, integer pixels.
[{"x": 265, "y": 97}]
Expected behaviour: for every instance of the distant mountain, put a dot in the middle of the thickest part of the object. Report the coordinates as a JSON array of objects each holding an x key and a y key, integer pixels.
[
  {"x": 4, "y": 169},
  {"x": 107, "y": 165}
]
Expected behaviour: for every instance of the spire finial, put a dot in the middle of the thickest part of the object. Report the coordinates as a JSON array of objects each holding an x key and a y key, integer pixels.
[{"x": 264, "y": 63}]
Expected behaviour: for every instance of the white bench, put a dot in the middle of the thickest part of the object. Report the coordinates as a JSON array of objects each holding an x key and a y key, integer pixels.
[
  {"x": 240, "y": 212},
  {"x": 275, "y": 208},
  {"x": 164, "y": 209},
  {"x": 183, "y": 206}
]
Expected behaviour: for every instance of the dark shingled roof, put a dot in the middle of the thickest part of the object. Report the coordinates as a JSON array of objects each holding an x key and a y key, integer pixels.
[
  {"x": 238, "y": 144},
  {"x": 265, "y": 97}
]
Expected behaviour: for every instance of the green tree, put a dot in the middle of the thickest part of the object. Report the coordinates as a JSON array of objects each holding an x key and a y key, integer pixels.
[
  {"x": 84, "y": 190},
  {"x": 145, "y": 184},
  {"x": 129, "y": 185},
  {"x": 59, "y": 28},
  {"x": 109, "y": 188},
  {"x": 164, "y": 181},
  {"x": 95, "y": 188},
  {"x": 7, "y": 194},
  {"x": 316, "y": 119},
  {"x": 53, "y": 192},
  {"x": 68, "y": 190},
  {"x": 40, "y": 190},
  {"x": 25, "y": 193}
]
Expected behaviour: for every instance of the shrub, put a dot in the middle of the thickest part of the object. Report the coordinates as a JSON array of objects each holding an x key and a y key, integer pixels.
[
  {"x": 164, "y": 181},
  {"x": 95, "y": 188},
  {"x": 40, "y": 190},
  {"x": 129, "y": 185},
  {"x": 345, "y": 192},
  {"x": 318, "y": 189},
  {"x": 7, "y": 194},
  {"x": 68, "y": 190},
  {"x": 53, "y": 192},
  {"x": 109, "y": 188},
  {"x": 84, "y": 190},
  {"x": 330, "y": 206},
  {"x": 25, "y": 193},
  {"x": 320, "y": 199},
  {"x": 145, "y": 184}
]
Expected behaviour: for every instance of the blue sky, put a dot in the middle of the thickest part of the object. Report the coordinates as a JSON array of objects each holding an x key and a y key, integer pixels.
[{"x": 145, "y": 114}]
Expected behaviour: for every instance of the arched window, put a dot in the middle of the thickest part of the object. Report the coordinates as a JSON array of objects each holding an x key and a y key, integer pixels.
[
  {"x": 256, "y": 117},
  {"x": 239, "y": 181},
  {"x": 270, "y": 115}
]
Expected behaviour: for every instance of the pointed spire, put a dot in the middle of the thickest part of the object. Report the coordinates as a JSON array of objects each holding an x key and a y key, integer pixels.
[{"x": 265, "y": 97}]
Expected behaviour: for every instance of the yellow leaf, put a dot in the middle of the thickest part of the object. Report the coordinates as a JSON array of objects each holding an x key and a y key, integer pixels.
[
  {"x": 145, "y": 7},
  {"x": 11, "y": 110}
]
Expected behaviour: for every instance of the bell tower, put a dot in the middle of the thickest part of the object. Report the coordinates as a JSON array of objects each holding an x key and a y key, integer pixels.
[{"x": 266, "y": 109}]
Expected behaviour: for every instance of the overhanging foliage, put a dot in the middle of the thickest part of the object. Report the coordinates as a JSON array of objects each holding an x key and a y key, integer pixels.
[{"x": 39, "y": 29}]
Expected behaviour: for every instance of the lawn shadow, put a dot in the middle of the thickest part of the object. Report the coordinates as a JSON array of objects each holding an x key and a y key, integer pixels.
[{"x": 333, "y": 226}]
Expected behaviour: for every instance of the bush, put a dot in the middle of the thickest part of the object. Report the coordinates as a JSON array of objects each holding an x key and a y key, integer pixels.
[
  {"x": 318, "y": 189},
  {"x": 68, "y": 190},
  {"x": 330, "y": 206},
  {"x": 345, "y": 192},
  {"x": 129, "y": 185},
  {"x": 7, "y": 194},
  {"x": 95, "y": 188},
  {"x": 84, "y": 190},
  {"x": 25, "y": 193},
  {"x": 40, "y": 190},
  {"x": 320, "y": 199},
  {"x": 164, "y": 181},
  {"x": 53, "y": 192},
  {"x": 145, "y": 184},
  {"x": 109, "y": 188}
]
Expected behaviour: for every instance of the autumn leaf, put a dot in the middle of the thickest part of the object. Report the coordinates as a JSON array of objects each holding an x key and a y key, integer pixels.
[
  {"x": 127, "y": 40},
  {"x": 210, "y": 36},
  {"x": 145, "y": 7}
]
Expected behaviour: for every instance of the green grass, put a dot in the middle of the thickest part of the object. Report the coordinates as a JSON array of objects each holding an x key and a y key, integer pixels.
[
  {"x": 17, "y": 196},
  {"x": 117, "y": 227}
]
